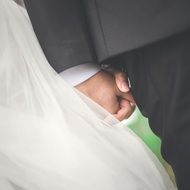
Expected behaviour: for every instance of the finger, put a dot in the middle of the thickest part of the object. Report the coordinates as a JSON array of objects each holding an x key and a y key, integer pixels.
[
  {"x": 127, "y": 96},
  {"x": 125, "y": 111},
  {"x": 121, "y": 81}
]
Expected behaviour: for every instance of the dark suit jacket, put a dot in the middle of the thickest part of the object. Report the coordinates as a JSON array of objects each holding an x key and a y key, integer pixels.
[
  {"x": 61, "y": 28},
  {"x": 65, "y": 27}
]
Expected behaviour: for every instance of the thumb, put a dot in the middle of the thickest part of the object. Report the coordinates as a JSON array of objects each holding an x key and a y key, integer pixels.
[{"x": 121, "y": 82}]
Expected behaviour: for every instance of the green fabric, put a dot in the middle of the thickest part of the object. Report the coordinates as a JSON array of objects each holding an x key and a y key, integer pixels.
[{"x": 140, "y": 126}]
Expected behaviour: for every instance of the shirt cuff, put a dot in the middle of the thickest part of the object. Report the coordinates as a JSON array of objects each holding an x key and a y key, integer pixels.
[{"x": 80, "y": 73}]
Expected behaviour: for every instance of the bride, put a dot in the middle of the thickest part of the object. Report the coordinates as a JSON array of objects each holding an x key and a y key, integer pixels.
[{"x": 54, "y": 138}]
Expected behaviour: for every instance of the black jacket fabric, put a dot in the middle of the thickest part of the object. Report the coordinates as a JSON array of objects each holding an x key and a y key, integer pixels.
[
  {"x": 73, "y": 32},
  {"x": 62, "y": 31},
  {"x": 119, "y": 26}
]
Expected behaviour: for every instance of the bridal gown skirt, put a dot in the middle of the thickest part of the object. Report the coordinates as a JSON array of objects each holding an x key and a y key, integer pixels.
[{"x": 54, "y": 138}]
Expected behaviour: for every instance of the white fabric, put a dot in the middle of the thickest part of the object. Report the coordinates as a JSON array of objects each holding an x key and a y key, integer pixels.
[
  {"x": 54, "y": 138},
  {"x": 78, "y": 74}
]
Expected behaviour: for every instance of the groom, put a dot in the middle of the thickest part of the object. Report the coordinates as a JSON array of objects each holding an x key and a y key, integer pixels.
[
  {"x": 61, "y": 28},
  {"x": 150, "y": 40}
]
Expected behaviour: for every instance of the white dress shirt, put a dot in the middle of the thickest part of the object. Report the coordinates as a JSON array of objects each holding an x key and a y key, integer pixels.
[{"x": 78, "y": 74}]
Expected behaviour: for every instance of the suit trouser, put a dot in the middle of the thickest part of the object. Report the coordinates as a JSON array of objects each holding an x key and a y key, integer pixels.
[{"x": 160, "y": 77}]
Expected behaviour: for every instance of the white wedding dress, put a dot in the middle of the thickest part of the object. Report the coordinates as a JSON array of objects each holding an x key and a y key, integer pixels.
[{"x": 54, "y": 138}]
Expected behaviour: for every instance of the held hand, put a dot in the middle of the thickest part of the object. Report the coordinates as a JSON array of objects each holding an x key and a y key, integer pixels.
[
  {"x": 127, "y": 103},
  {"x": 112, "y": 93}
]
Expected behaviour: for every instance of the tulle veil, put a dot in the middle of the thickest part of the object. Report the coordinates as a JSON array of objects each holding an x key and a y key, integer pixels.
[{"x": 53, "y": 137}]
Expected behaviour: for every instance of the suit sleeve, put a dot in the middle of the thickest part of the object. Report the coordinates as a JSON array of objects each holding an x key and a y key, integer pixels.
[{"x": 62, "y": 30}]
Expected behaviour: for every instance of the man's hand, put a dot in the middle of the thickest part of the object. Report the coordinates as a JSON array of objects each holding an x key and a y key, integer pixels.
[{"x": 111, "y": 92}]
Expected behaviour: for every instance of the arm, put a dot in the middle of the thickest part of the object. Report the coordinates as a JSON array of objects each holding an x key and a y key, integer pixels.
[{"x": 61, "y": 29}]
